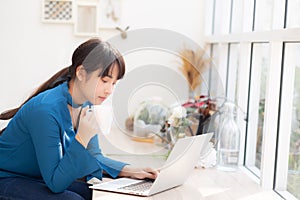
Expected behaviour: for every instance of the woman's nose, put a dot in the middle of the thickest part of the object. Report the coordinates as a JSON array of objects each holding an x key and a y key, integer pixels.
[{"x": 108, "y": 89}]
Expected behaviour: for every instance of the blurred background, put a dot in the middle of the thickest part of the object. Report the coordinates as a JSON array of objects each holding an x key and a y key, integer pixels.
[{"x": 254, "y": 45}]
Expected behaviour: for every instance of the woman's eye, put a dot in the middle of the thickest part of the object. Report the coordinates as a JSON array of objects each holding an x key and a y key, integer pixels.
[{"x": 104, "y": 80}]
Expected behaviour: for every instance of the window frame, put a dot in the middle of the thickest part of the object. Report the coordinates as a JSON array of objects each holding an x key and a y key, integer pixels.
[{"x": 276, "y": 37}]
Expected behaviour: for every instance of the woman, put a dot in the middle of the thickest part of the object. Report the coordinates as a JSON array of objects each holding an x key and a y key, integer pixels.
[{"x": 51, "y": 141}]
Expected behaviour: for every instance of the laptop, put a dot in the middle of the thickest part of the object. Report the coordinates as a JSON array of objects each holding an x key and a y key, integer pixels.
[{"x": 175, "y": 171}]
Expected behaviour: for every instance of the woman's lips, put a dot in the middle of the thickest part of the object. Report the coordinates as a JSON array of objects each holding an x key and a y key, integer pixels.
[{"x": 102, "y": 98}]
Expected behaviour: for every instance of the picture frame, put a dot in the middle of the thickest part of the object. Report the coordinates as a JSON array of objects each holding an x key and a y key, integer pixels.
[
  {"x": 57, "y": 11},
  {"x": 87, "y": 16},
  {"x": 86, "y": 21}
]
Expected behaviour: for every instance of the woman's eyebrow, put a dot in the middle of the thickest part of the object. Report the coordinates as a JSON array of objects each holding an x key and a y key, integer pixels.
[{"x": 109, "y": 76}]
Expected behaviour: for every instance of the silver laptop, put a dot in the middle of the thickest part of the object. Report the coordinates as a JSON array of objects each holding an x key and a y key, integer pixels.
[{"x": 175, "y": 171}]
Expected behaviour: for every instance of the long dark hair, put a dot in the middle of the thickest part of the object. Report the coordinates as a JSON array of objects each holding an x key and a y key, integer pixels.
[{"x": 92, "y": 55}]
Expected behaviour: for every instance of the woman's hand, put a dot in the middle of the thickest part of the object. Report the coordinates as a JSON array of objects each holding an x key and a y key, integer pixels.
[
  {"x": 138, "y": 173},
  {"x": 88, "y": 126}
]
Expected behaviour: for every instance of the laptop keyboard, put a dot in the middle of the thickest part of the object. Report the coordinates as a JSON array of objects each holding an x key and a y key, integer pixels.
[{"x": 140, "y": 187}]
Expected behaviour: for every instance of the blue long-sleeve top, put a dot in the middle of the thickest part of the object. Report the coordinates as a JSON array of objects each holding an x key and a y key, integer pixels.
[{"x": 39, "y": 143}]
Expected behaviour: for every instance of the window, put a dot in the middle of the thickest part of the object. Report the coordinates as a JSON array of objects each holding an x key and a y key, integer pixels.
[
  {"x": 232, "y": 76},
  {"x": 260, "y": 57},
  {"x": 293, "y": 14},
  {"x": 218, "y": 72},
  {"x": 289, "y": 141},
  {"x": 263, "y": 15},
  {"x": 236, "y": 16},
  {"x": 222, "y": 16},
  {"x": 293, "y": 183},
  {"x": 259, "y": 71}
]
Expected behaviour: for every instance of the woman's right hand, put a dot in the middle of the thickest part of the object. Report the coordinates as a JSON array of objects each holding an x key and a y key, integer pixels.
[
  {"x": 88, "y": 126},
  {"x": 138, "y": 173}
]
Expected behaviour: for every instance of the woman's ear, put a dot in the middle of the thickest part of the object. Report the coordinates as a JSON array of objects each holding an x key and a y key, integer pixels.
[{"x": 80, "y": 73}]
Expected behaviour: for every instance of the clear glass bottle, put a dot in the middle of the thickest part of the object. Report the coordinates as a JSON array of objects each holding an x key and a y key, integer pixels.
[{"x": 228, "y": 143}]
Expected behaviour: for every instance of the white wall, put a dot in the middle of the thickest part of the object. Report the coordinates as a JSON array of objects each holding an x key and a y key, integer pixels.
[{"x": 31, "y": 51}]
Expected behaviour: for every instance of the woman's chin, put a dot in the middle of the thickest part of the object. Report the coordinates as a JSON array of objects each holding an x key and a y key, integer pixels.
[{"x": 98, "y": 102}]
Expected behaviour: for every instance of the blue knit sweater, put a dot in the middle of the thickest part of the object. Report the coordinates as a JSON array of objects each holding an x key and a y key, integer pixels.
[{"x": 39, "y": 143}]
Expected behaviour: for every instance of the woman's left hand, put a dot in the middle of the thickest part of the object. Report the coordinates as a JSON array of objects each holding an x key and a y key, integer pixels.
[{"x": 138, "y": 173}]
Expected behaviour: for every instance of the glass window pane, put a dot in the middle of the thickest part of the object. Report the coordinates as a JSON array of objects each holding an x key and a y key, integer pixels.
[
  {"x": 294, "y": 157},
  {"x": 259, "y": 72},
  {"x": 263, "y": 15},
  {"x": 237, "y": 16},
  {"x": 217, "y": 79},
  {"x": 215, "y": 55},
  {"x": 222, "y": 16},
  {"x": 293, "y": 183},
  {"x": 209, "y": 17},
  {"x": 293, "y": 14},
  {"x": 233, "y": 67}
]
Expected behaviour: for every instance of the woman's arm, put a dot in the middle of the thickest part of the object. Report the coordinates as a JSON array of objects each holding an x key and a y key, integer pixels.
[
  {"x": 59, "y": 169},
  {"x": 115, "y": 168},
  {"x": 110, "y": 166}
]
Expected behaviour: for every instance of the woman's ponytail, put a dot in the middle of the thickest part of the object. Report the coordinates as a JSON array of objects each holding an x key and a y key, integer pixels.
[{"x": 58, "y": 78}]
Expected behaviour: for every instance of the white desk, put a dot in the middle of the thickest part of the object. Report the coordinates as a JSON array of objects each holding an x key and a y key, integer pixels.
[{"x": 208, "y": 184}]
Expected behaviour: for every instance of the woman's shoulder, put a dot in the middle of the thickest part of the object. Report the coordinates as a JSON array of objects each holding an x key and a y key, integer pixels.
[
  {"x": 52, "y": 99},
  {"x": 50, "y": 105},
  {"x": 53, "y": 95}
]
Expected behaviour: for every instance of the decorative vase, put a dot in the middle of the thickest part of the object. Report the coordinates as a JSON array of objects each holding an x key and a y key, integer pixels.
[{"x": 228, "y": 140}]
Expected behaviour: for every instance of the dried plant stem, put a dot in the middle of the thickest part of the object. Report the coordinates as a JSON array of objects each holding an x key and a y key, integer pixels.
[{"x": 194, "y": 63}]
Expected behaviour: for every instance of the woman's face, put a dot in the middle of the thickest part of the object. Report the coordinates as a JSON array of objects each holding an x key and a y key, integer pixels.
[{"x": 96, "y": 89}]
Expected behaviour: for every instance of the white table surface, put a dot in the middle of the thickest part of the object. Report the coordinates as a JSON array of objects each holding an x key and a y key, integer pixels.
[{"x": 208, "y": 184}]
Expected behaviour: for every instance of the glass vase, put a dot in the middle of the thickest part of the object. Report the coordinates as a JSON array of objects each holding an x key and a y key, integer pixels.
[{"x": 228, "y": 140}]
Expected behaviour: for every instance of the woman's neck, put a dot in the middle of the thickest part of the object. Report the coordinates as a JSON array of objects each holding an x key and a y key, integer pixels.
[
  {"x": 74, "y": 110},
  {"x": 76, "y": 98}
]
